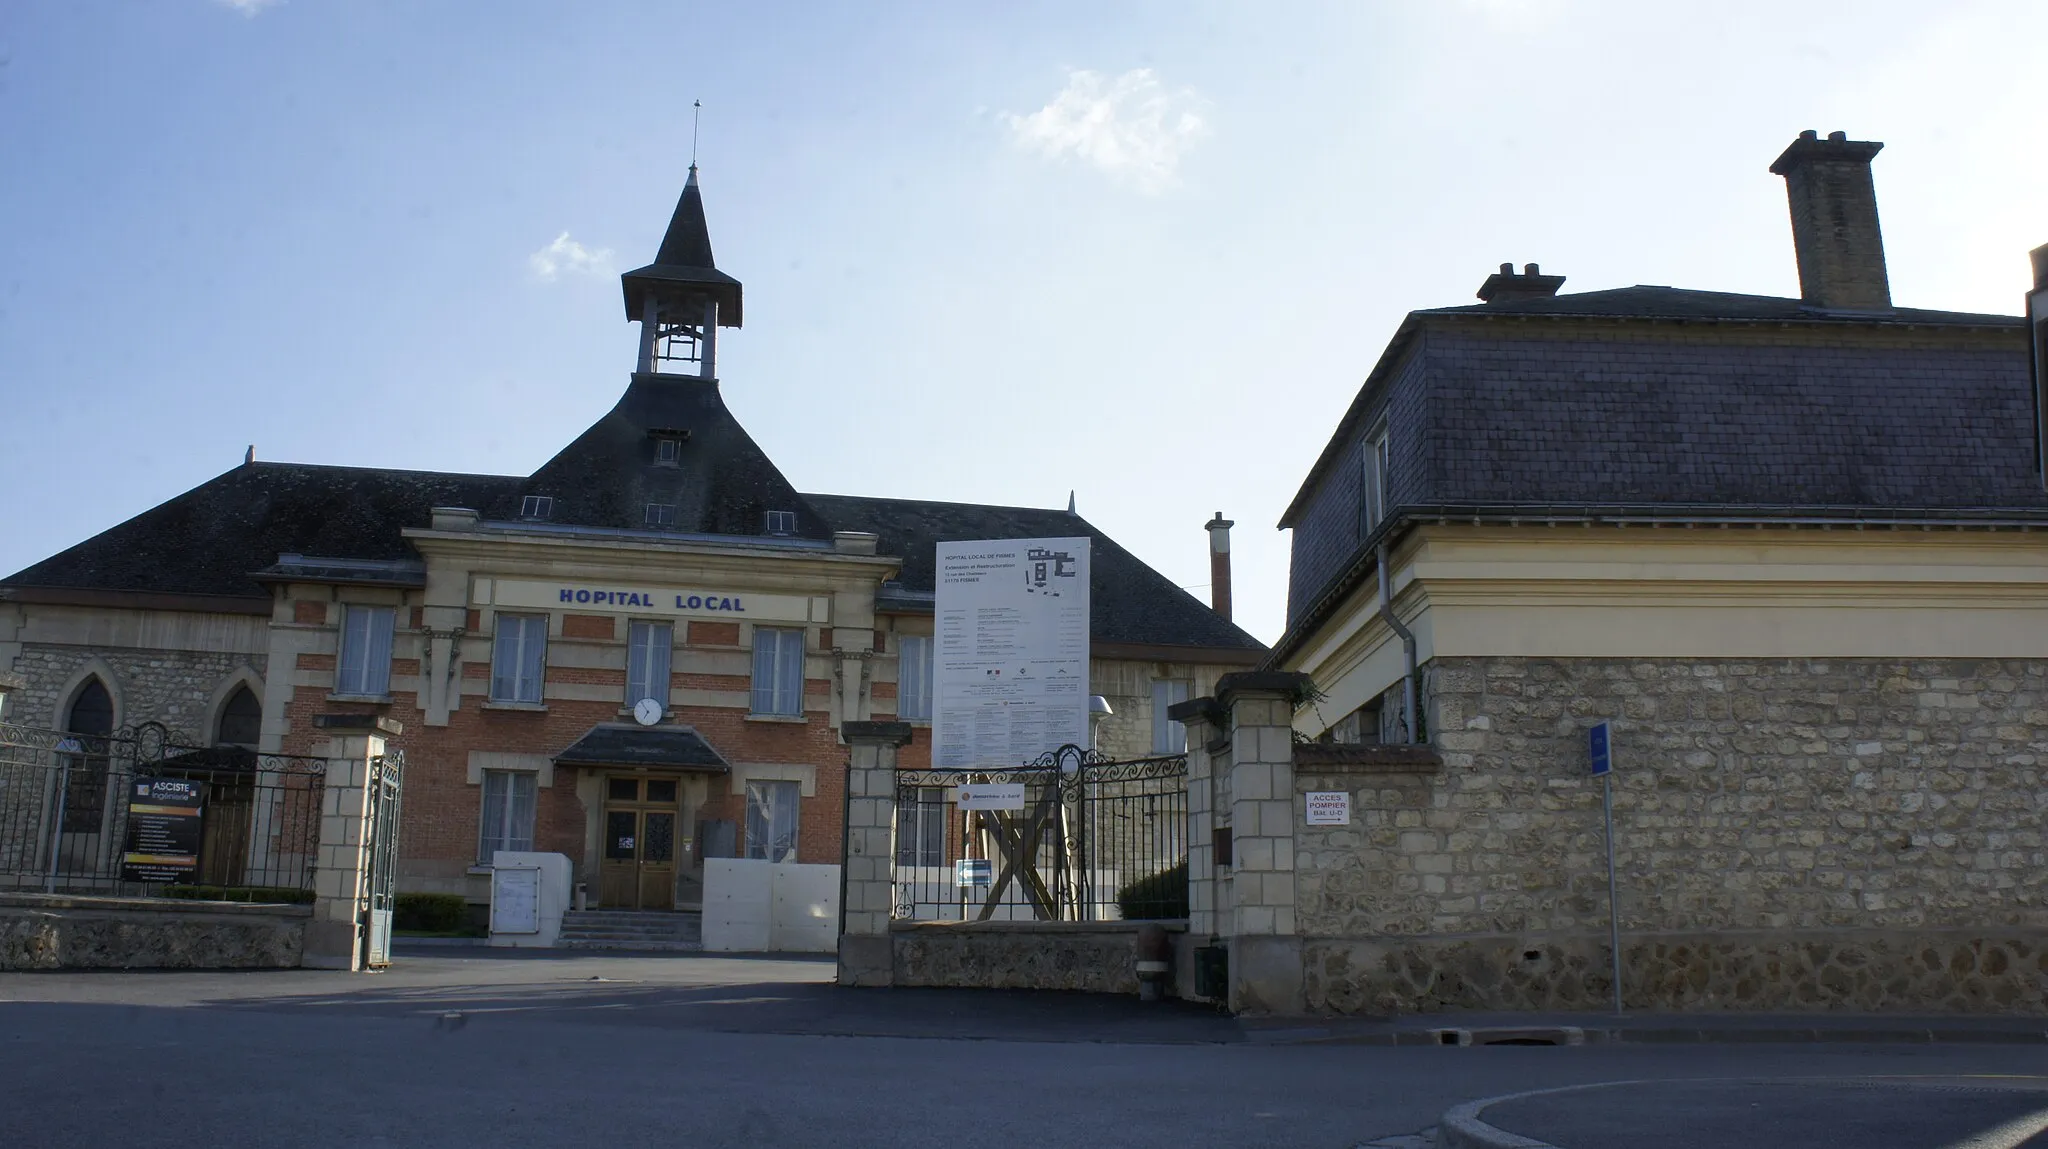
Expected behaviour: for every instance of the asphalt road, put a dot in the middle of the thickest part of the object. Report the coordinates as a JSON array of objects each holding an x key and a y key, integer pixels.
[{"x": 472, "y": 1049}]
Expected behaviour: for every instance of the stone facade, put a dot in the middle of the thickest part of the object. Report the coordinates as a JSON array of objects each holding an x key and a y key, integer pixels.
[
  {"x": 1791, "y": 833},
  {"x": 179, "y": 688}
]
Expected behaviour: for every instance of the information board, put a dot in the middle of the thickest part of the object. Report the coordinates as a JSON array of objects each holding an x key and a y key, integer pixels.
[
  {"x": 1010, "y": 667},
  {"x": 165, "y": 829},
  {"x": 515, "y": 900}
]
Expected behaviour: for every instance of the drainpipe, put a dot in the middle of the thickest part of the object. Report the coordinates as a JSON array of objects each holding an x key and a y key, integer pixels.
[{"x": 1407, "y": 643}]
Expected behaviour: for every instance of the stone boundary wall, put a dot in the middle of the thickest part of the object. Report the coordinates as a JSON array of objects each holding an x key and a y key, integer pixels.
[
  {"x": 1790, "y": 834},
  {"x": 1093, "y": 957},
  {"x": 48, "y": 932},
  {"x": 1870, "y": 970}
]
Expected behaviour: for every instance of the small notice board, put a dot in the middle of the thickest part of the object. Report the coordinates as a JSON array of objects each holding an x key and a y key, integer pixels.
[{"x": 1329, "y": 807}]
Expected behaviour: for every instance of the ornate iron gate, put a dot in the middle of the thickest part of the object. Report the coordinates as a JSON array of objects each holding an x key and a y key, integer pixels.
[
  {"x": 1097, "y": 839},
  {"x": 380, "y": 893}
]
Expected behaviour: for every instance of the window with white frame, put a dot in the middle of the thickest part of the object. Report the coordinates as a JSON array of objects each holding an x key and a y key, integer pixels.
[
  {"x": 667, "y": 453},
  {"x": 519, "y": 651},
  {"x": 771, "y": 820},
  {"x": 778, "y": 671},
  {"x": 507, "y": 823},
  {"x": 1168, "y": 736},
  {"x": 647, "y": 653},
  {"x": 365, "y": 664},
  {"x": 921, "y": 826},
  {"x": 536, "y": 507},
  {"x": 661, "y": 516},
  {"x": 914, "y": 677},
  {"x": 781, "y": 522},
  {"x": 1372, "y": 485}
]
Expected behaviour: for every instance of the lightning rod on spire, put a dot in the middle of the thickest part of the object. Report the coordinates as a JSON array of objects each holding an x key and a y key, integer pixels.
[{"x": 696, "y": 118}]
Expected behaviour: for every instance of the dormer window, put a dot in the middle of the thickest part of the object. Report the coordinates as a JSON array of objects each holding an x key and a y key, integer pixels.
[
  {"x": 661, "y": 516},
  {"x": 536, "y": 507},
  {"x": 781, "y": 522},
  {"x": 667, "y": 452}
]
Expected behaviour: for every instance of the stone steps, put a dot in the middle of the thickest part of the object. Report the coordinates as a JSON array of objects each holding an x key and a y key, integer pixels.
[{"x": 632, "y": 930}]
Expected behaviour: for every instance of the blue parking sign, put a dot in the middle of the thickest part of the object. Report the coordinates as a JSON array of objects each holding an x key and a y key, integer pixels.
[{"x": 1603, "y": 761}]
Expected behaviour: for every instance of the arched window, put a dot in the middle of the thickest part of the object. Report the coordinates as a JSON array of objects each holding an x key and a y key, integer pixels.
[
  {"x": 91, "y": 722},
  {"x": 241, "y": 720}
]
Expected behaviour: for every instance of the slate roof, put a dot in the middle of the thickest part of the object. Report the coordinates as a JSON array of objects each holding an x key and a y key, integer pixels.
[
  {"x": 1129, "y": 601},
  {"x": 210, "y": 539},
  {"x": 722, "y": 483},
  {"x": 1645, "y": 301},
  {"x": 1786, "y": 402},
  {"x": 626, "y": 744}
]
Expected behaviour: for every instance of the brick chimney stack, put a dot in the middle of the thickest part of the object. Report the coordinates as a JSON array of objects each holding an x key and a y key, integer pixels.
[
  {"x": 1219, "y": 564},
  {"x": 1506, "y": 287},
  {"x": 1834, "y": 222}
]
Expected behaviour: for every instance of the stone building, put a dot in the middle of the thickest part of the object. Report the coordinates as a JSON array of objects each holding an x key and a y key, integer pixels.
[
  {"x": 1792, "y": 548},
  {"x": 513, "y": 624}
]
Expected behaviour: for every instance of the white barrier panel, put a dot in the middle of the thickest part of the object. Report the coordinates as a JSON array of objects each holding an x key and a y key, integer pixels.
[{"x": 752, "y": 906}]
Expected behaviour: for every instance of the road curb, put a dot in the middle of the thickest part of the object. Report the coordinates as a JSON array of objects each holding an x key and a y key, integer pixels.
[
  {"x": 1674, "y": 1035},
  {"x": 1462, "y": 1128}
]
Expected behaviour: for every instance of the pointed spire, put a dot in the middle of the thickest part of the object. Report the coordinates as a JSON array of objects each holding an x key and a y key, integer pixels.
[
  {"x": 683, "y": 273},
  {"x": 688, "y": 242},
  {"x": 1070, "y": 502}
]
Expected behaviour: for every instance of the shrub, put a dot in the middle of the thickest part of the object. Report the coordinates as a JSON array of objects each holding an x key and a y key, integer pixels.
[
  {"x": 268, "y": 894},
  {"x": 430, "y": 913},
  {"x": 1161, "y": 895}
]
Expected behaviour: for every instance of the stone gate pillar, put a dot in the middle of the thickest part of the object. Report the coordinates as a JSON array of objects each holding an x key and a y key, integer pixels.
[
  {"x": 1265, "y": 952},
  {"x": 867, "y": 881},
  {"x": 341, "y": 863}
]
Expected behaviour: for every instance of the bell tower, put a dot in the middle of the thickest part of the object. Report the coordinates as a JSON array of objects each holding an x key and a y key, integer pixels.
[{"x": 682, "y": 299}]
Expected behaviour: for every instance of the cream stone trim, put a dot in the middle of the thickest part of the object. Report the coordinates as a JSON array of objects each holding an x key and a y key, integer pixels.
[
  {"x": 94, "y": 667},
  {"x": 482, "y": 760},
  {"x": 805, "y": 776},
  {"x": 1635, "y": 592}
]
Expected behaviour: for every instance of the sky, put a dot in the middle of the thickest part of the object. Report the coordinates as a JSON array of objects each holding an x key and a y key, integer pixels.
[{"x": 1143, "y": 252}]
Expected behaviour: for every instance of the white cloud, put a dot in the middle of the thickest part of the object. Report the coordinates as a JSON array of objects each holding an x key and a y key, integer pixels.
[
  {"x": 248, "y": 7},
  {"x": 1131, "y": 128},
  {"x": 566, "y": 254}
]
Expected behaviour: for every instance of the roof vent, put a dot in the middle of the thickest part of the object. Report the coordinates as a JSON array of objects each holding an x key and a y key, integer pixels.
[{"x": 1504, "y": 286}]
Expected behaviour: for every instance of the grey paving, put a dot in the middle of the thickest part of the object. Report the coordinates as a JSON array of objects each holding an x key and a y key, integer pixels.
[{"x": 466, "y": 1047}]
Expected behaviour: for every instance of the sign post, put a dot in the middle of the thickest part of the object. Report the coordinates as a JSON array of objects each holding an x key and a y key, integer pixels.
[{"x": 1600, "y": 742}]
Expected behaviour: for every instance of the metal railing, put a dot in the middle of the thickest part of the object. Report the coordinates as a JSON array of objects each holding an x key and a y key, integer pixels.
[
  {"x": 1094, "y": 840},
  {"x": 142, "y": 812}
]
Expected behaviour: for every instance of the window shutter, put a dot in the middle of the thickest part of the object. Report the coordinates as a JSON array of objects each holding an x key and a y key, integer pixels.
[
  {"x": 532, "y": 656},
  {"x": 519, "y": 822},
  {"x": 376, "y": 671},
  {"x": 791, "y": 673},
  {"x": 493, "y": 835},
  {"x": 764, "y": 674}
]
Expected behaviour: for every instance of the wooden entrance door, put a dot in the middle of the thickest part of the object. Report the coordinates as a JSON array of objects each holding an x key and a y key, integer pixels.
[{"x": 640, "y": 816}]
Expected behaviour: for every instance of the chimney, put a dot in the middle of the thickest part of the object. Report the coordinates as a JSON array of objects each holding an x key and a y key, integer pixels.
[
  {"x": 2037, "y": 324},
  {"x": 1505, "y": 286},
  {"x": 1834, "y": 222},
  {"x": 1219, "y": 564}
]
